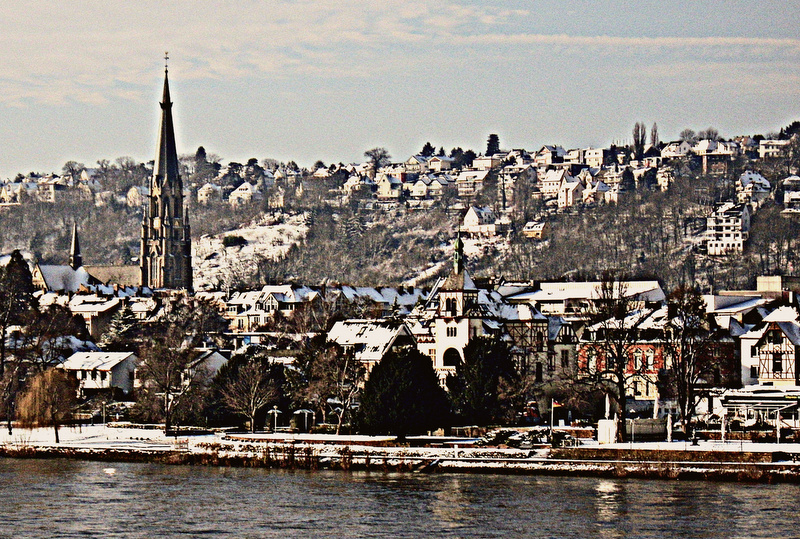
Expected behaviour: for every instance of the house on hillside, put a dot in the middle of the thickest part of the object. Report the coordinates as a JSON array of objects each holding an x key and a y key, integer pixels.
[
  {"x": 470, "y": 182},
  {"x": 548, "y": 154},
  {"x": 550, "y": 182},
  {"x": 209, "y": 193},
  {"x": 772, "y": 149},
  {"x": 487, "y": 162},
  {"x": 727, "y": 229},
  {"x": 416, "y": 164},
  {"x": 752, "y": 188},
  {"x": 570, "y": 193},
  {"x": 676, "y": 149},
  {"x": 536, "y": 230},
  {"x": 440, "y": 163},
  {"x": 389, "y": 187},
  {"x": 480, "y": 222},
  {"x": 245, "y": 194}
]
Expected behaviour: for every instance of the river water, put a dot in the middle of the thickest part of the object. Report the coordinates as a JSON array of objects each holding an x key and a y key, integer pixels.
[{"x": 64, "y": 498}]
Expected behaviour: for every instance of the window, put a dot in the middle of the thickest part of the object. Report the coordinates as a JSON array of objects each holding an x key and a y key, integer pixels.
[
  {"x": 452, "y": 331},
  {"x": 551, "y": 362},
  {"x": 94, "y": 375},
  {"x": 638, "y": 362},
  {"x": 777, "y": 363},
  {"x": 103, "y": 375},
  {"x": 754, "y": 351},
  {"x": 451, "y": 358},
  {"x": 564, "y": 359},
  {"x": 753, "y": 371},
  {"x": 775, "y": 337}
]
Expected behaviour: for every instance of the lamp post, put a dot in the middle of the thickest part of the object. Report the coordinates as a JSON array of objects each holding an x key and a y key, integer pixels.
[{"x": 275, "y": 413}]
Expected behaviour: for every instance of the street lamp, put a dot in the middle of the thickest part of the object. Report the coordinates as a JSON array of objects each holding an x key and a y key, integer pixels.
[{"x": 275, "y": 413}]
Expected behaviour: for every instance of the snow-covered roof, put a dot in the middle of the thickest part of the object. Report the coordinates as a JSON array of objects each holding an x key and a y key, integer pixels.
[
  {"x": 64, "y": 278},
  {"x": 100, "y": 361},
  {"x": 560, "y": 291},
  {"x": 747, "y": 177},
  {"x": 782, "y": 314},
  {"x": 370, "y": 338}
]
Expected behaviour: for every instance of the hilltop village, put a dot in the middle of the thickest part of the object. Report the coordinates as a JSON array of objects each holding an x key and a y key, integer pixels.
[{"x": 216, "y": 330}]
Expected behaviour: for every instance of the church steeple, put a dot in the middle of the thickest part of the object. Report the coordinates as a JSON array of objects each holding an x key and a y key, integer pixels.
[
  {"x": 75, "y": 258},
  {"x": 165, "y": 167},
  {"x": 166, "y": 250},
  {"x": 458, "y": 254}
]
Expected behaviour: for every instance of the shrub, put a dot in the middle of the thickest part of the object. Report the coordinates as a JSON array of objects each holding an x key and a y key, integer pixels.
[{"x": 233, "y": 241}]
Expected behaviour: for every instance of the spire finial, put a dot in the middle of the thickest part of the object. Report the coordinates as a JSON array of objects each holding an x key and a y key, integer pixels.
[{"x": 166, "y": 62}]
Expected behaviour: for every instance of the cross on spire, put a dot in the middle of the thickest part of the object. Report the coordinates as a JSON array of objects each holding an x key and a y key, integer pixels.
[{"x": 166, "y": 62}]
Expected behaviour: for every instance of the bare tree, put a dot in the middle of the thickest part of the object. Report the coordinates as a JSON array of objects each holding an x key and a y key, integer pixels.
[
  {"x": 639, "y": 138},
  {"x": 48, "y": 401},
  {"x": 654, "y": 140},
  {"x": 608, "y": 348},
  {"x": 327, "y": 373},
  {"x": 688, "y": 346},
  {"x": 688, "y": 135},
  {"x": 378, "y": 157},
  {"x": 249, "y": 390},
  {"x": 709, "y": 133},
  {"x": 173, "y": 381}
]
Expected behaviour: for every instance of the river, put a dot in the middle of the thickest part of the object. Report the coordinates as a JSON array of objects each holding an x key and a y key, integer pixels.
[{"x": 66, "y": 498}]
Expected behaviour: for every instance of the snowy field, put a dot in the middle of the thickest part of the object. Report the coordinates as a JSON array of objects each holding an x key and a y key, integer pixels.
[{"x": 218, "y": 267}]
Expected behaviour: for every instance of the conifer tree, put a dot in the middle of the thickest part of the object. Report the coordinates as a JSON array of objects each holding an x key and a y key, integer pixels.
[{"x": 402, "y": 396}]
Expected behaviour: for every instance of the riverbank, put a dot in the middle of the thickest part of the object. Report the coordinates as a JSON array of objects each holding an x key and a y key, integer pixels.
[{"x": 731, "y": 461}]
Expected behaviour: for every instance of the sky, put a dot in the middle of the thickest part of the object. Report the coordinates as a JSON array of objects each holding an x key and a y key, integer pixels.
[{"x": 309, "y": 80}]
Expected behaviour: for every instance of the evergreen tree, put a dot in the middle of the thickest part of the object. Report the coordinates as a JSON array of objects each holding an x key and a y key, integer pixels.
[
  {"x": 119, "y": 335},
  {"x": 492, "y": 144},
  {"x": 428, "y": 150},
  {"x": 402, "y": 396},
  {"x": 16, "y": 297},
  {"x": 483, "y": 389}
]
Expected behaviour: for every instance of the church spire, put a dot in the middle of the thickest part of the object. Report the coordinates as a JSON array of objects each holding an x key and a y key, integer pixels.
[
  {"x": 75, "y": 258},
  {"x": 165, "y": 168},
  {"x": 458, "y": 254}
]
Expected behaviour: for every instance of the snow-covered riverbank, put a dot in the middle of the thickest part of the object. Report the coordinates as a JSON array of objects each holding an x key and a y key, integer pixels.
[{"x": 735, "y": 461}]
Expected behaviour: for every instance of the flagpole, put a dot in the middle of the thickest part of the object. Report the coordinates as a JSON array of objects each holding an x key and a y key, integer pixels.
[{"x": 552, "y": 407}]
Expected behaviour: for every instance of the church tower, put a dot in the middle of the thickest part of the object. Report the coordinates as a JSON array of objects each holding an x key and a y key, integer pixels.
[
  {"x": 166, "y": 248},
  {"x": 75, "y": 258}
]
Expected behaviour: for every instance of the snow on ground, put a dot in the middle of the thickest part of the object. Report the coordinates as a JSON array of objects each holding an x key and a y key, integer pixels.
[
  {"x": 218, "y": 267},
  {"x": 90, "y": 437}
]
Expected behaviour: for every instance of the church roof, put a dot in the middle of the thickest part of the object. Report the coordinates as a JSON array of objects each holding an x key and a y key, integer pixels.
[
  {"x": 64, "y": 278},
  {"x": 458, "y": 281}
]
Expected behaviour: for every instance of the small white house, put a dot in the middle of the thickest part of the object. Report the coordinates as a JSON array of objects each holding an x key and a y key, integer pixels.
[{"x": 99, "y": 372}]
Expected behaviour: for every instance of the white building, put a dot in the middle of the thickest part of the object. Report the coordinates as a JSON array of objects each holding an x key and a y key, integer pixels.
[
  {"x": 99, "y": 372},
  {"x": 727, "y": 229}
]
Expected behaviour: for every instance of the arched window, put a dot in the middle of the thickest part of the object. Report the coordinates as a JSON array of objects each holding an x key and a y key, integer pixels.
[{"x": 451, "y": 357}]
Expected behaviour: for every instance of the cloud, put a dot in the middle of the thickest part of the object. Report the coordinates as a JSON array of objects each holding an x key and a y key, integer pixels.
[{"x": 55, "y": 52}]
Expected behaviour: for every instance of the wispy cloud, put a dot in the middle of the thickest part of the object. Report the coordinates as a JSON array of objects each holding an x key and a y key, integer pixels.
[{"x": 55, "y": 52}]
